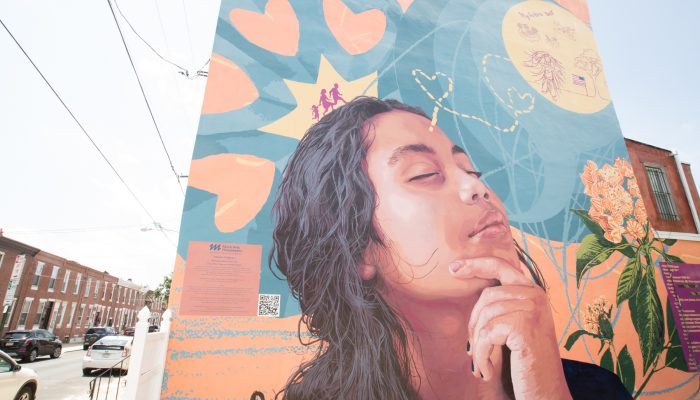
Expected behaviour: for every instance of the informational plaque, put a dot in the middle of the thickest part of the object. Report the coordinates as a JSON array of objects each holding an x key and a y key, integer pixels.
[
  {"x": 221, "y": 279},
  {"x": 683, "y": 284}
]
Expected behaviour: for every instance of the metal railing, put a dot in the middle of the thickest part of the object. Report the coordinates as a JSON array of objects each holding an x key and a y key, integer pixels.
[{"x": 96, "y": 383}]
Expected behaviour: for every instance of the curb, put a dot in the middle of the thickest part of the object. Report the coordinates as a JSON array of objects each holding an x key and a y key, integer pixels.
[{"x": 71, "y": 348}]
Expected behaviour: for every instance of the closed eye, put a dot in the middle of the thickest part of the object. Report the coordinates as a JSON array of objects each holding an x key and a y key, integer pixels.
[
  {"x": 474, "y": 173},
  {"x": 423, "y": 176}
]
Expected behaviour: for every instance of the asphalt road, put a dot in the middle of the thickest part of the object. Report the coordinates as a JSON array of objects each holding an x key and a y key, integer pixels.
[{"x": 61, "y": 378}]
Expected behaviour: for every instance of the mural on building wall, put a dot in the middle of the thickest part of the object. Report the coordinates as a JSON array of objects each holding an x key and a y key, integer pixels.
[{"x": 424, "y": 225}]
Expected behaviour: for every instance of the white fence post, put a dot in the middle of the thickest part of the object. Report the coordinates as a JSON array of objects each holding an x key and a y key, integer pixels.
[
  {"x": 138, "y": 349},
  {"x": 162, "y": 351}
]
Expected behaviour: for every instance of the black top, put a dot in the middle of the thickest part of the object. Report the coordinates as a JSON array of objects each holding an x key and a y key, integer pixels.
[{"x": 589, "y": 381}]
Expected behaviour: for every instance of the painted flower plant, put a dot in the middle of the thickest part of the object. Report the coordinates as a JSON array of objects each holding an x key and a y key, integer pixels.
[{"x": 618, "y": 222}]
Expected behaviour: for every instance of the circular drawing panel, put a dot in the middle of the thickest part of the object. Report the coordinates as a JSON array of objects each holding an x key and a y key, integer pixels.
[{"x": 555, "y": 53}]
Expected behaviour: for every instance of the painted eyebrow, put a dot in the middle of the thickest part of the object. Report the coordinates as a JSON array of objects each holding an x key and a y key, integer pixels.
[
  {"x": 458, "y": 150},
  {"x": 400, "y": 152}
]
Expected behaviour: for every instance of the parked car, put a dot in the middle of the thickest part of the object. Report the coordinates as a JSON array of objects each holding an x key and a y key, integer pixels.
[
  {"x": 107, "y": 352},
  {"x": 96, "y": 333},
  {"x": 30, "y": 344},
  {"x": 129, "y": 331},
  {"x": 16, "y": 382}
]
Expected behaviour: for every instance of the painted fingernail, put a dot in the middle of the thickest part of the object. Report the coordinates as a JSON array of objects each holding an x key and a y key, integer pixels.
[
  {"x": 455, "y": 266},
  {"x": 469, "y": 346},
  {"x": 482, "y": 375},
  {"x": 472, "y": 365}
]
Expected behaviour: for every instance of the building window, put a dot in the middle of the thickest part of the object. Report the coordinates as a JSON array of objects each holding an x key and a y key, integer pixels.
[
  {"x": 88, "y": 320},
  {"x": 76, "y": 289},
  {"x": 2, "y": 257},
  {"x": 37, "y": 275},
  {"x": 111, "y": 296},
  {"x": 87, "y": 287},
  {"x": 24, "y": 312},
  {"x": 39, "y": 313},
  {"x": 104, "y": 292},
  {"x": 662, "y": 193},
  {"x": 54, "y": 276},
  {"x": 66, "y": 277},
  {"x": 97, "y": 289},
  {"x": 80, "y": 315},
  {"x": 64, "y": 306},
  {"x": 72, "y": 313}
]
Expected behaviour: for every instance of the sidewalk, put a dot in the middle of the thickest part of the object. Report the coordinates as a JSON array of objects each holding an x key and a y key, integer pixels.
[{"x": 72, "y": 347}]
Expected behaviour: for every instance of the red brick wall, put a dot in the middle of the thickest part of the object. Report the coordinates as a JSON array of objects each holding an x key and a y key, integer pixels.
[{"x": 642, "y": 154}]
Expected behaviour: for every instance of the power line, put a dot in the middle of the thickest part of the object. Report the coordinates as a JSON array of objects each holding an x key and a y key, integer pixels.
[
  {"x": 143, "y": 92},
  {"x": 82, "y": 128},
  {"x": 182, "y": 70}
]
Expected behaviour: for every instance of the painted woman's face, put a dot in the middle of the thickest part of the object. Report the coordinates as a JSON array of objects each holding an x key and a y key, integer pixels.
[{"x": 432, "y": 209}]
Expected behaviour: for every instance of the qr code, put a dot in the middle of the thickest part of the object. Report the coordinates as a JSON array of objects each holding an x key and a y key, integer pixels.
[{"x": 268, "y": 305}]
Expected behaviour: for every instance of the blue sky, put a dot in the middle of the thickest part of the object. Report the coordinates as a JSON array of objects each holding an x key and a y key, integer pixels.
[
  {"x": 650, "y": 53},
  {"x": 66, "y": 200}
]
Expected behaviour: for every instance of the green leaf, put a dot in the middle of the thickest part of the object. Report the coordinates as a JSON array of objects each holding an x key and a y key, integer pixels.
[
  {"x": 669, "y": 242},
  {"x": 629, "y": 280},
  {"x": 626, "y": 249},
  {"x": 647, "y": 318},
  {"x": 607, "y": 362},
  {"x": 675, "y": 358},
  {"x": 671, "y": 258},
  {"x": 573, "y": 338},
  {"x": 590, "y": 224},
  {"x": 591, "y": 253},
  {"x": 625, "y": 369},
  {"x": 606, "y": 329}
]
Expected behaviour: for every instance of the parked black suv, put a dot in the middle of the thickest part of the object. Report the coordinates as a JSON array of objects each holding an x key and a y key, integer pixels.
[
  {"x": 30, "y": 344},
  {"x": 96, "y": 333}
]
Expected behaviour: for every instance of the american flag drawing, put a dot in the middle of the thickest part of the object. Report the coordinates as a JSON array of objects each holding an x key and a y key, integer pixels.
[{"x": 578, "y": 80}]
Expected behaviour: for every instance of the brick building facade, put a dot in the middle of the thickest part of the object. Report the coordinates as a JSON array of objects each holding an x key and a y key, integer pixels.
[
  {"x": 671, "y": 199},
  {"x": 61, "y": 295}
]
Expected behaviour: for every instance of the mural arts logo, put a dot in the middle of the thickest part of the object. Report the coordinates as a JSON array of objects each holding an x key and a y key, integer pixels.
[{"x": 214, "y": 247}]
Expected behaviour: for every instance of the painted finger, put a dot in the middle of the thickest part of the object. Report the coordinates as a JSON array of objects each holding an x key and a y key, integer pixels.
[
  {"x": 489, "y": 268},
  {"x": 496, "y": 310},
  {"x": 501, "y": 294},
  {"x": 482, "y": 367}
]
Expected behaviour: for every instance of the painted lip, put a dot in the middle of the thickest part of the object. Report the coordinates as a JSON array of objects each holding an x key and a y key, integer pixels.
[{"x": 491, "y": 224}]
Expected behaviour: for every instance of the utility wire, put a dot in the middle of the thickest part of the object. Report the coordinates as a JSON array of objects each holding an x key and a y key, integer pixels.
[
  {"x": 148, "y": 105},
  {"x": 83, "y": 129},
  {"x": 183, "y": 71}
]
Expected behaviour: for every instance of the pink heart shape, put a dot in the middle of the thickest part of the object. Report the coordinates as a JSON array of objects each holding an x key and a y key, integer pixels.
[
  {"x": 276, "y": 30},
  {"x": 356, "y": 33}
]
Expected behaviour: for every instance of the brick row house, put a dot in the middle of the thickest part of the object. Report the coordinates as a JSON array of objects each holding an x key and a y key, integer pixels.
[{"x": 62, "y": 296}]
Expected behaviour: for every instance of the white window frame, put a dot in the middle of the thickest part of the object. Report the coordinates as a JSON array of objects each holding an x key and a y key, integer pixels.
[
  {"x": 37, "y": 274},
  {"x": 111, "y": 296},
  {"x": 28, "y": 301},
  {"x": 96, "y": 292},
  {"x": 104, "y": 292},
  {"x": 39, "y": 313},
  {"x": 66, "y": 277},
  {"x": 54, "y": 278},
  {"x": 64, "y": 306},
  {"x": 87, "y": 287},
  {"x": 2, "y": 257},
  {"x": 72, "y": 314},
  {"x": 79, "y": 278},
  {"x": 54, "y": 314},
  {"x": 88, "y": 321},
  {"x": 81, "y": 314}
]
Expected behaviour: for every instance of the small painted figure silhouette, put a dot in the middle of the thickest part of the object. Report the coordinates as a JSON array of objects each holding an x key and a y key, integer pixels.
[
  {"x": 325, "y": 102},
  {"x": 314, "y": 112},
  {"x": 336, "y": 95}
]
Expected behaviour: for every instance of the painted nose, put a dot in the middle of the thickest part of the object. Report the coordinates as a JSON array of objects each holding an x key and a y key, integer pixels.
[{"x": 472, "y": 190}]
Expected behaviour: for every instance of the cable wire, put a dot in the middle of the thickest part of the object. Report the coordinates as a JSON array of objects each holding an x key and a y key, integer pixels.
[
  {"x": 145, "y": 98},
  {"x": 104, "y": 157},
  {"x": 183, "y": 71}
]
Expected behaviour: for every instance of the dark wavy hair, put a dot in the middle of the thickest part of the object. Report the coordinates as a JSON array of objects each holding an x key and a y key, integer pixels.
[{"x": 324, "y": 226}]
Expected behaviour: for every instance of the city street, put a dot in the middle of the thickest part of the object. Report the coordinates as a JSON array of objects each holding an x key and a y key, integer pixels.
[{"x": 62, "y": 378}]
